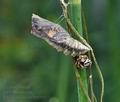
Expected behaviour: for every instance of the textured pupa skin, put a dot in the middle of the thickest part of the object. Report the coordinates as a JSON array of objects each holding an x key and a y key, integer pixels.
[{"x": 56, "y": 36}]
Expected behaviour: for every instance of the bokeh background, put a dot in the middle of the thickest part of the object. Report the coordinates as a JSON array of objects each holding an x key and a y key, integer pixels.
[{"x": 32, "y": 71}]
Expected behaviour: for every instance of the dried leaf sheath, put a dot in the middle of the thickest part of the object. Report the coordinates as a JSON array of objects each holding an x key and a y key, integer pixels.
[{"x": 56, "y": 36}]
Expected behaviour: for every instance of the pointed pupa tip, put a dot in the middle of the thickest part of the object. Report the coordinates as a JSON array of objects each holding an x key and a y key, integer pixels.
[{"x": 35, "y": 16}]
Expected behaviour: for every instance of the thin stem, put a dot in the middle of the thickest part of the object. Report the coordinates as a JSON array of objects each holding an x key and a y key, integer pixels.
[
  {"x": 82, "y": 86},
  {"x": 100, "y": 76},
  {"x": 91, "y": 88},
  {"x": 64, "y": 6},
  {"x": 93, "y": 97},
  {"x": 94, "y": 58}
]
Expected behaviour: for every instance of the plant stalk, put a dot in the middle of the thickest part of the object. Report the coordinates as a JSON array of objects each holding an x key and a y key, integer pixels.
[
  {"x": 77, "y": 33},
  {"x": 76, "y": 19}
]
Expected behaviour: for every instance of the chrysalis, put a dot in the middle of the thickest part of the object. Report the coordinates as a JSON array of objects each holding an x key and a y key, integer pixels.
[{"x": 57, "y": 37}]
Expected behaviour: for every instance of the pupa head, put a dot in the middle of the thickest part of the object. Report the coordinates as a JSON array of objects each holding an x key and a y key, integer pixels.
[{"x": 40, "y": 26}]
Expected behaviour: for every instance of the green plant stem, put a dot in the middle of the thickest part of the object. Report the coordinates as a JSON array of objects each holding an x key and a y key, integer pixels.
[
  {"x": 93, "y": 97},
  {"x": 82, "y": 84},
  {"x": 64, "y": 6},
  {"x": 93, "y": 55},
  {"x": 76, "y": 18},
  {"x": 100, "y": 76}
]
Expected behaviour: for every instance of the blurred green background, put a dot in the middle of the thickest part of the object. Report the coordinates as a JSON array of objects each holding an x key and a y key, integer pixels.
[{"x": 32, "y": 71}]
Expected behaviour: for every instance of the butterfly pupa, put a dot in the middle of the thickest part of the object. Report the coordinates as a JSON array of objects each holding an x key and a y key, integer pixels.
[{"x": 57, "y": 37}]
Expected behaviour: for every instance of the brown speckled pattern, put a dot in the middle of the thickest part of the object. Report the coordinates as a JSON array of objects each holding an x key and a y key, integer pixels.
[{"x": 57, "y": 37}]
